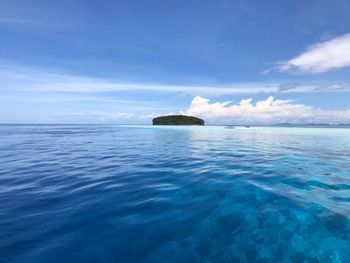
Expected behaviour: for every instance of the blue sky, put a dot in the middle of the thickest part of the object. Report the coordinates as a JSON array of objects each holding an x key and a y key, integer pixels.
[{"x": 127, "y": 61}]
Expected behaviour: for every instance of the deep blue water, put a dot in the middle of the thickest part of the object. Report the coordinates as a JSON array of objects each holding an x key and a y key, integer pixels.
[{"x": 181, "y": 194}]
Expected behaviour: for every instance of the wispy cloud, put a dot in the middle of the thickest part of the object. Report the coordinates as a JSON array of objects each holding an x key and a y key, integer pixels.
[
  {"x": 266, "y": 111},
  {"x": 19, "y": 78},
  {"x": 286, "y": 87},
  {"x": 321, "y": 57}
]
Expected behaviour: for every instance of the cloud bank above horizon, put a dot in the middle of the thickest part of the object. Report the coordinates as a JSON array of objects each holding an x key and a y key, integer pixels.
[
  {"x": 262, "y": 112},
  {"x": 268, "y": 111}
]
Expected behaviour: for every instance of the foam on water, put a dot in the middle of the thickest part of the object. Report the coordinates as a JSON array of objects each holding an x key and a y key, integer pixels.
[{"x": 85, "y": 193}]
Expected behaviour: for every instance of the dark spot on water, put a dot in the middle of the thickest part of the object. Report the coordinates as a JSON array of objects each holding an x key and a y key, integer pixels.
[
  {"x": 313, "y": 260},
  {"x": 298, "y": 258},
  {"x": 279, "y": 253},
  {"x": 230, "y": 223},
  {"x": 250, "y": 252},
  {"x": 264, "y": 260},
  {"x": 203, "y": 246},
  {"x": 301, "y": 258},
  {"x": 226, "y": 255},
  {"x": 260, "y": 222},
  {"x": 235, "y": 260},
  {"x": 336, "y": 224},
  {"x": 286, "y": 234},
  {"x": 258, "y": 237}
]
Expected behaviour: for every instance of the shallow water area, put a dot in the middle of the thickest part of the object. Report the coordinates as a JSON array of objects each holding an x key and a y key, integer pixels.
[{"x": 109, "y": 193}]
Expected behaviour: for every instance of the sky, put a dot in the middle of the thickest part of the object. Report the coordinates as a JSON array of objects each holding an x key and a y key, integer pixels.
[{"x": 125, "y": 62}]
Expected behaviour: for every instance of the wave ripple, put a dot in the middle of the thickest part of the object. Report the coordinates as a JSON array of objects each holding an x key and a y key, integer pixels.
[{"x": 84, "y": 193}]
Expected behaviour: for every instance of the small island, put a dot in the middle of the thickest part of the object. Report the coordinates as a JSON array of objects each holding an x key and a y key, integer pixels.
[{"x": 177, "y": 120}]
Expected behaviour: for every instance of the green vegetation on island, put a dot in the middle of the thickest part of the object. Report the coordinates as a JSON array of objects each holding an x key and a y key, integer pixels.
[{"x": 177, "y": 120}]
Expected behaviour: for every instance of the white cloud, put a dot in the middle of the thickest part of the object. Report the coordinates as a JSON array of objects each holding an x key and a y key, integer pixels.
[
  {"x": 321, "y": 57},
  {"x": 267, "y": 111}
]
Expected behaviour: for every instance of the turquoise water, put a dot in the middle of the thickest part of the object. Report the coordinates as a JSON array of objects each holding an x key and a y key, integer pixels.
[{"x": 174, "y": 194}]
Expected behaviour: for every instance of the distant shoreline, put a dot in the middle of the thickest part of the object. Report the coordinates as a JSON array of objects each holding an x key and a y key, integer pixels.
[{"x": 346, "y": 126}]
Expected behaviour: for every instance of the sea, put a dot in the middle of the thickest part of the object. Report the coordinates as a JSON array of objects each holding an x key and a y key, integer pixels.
[{"x": 117, "y": 193}]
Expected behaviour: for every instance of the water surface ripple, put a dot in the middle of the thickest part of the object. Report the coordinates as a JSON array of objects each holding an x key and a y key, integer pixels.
[{"x": 85, "y": 193}]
